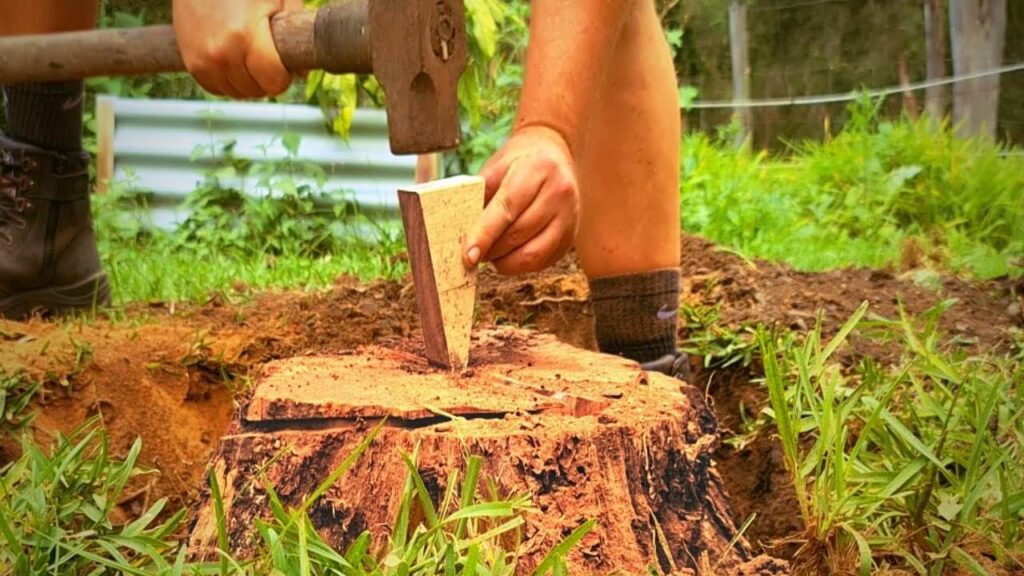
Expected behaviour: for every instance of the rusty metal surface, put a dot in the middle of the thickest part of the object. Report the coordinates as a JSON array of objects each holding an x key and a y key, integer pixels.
[{"x": 421, "y": 79}]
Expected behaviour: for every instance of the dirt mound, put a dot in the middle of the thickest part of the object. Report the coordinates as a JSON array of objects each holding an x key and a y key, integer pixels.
[{"x": 167, "y": 373}]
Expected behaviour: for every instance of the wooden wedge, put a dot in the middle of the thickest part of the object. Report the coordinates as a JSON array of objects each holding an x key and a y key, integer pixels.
[{"x": 437, "y": 216}]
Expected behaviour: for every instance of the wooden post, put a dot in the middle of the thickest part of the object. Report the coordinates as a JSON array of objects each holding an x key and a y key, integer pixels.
[
  {"x": 104, "y": 143},
  {"x": 428, "y": 167},
  {"x": 437, "y": 217},
  {"x": 738, "y": 47},
  {"x": 978, "y": 33},
  {"x": 935, "y": 48}
]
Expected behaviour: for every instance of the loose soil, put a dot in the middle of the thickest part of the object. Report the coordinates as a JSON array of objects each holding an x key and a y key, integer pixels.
[{"x": 174, "y": 375}]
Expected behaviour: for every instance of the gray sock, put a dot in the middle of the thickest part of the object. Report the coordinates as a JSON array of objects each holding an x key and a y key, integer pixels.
[
  {"x": 636, "y": 315},
  {"x": 48, "y": 115}
]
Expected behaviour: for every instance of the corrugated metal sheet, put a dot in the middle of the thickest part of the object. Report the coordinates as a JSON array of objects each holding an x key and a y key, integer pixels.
[{"x": 153, "y": 143}]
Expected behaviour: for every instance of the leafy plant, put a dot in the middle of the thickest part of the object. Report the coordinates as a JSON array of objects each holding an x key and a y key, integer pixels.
[
  {"x": 489, "y": 26},
  {"x": 271, "y": 206},
  {"x": 287, "y": 230},
  {"x": 56, "y": 510},
  {"x": 717, "y": 345},
  {"x": 16, "y": 394},
  {"x": 861, "y": 197},
  {"x": 490, "y": 89},
  {"x": 463, "y": 536},
  {"x": 57, "y": 507},
  {"x": 916, "y": 463}
]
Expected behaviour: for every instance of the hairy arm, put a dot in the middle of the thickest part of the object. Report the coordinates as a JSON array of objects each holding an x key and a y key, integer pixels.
[
  {"x": 532, "y": 194},
  {"x": 571, "y": 42}
]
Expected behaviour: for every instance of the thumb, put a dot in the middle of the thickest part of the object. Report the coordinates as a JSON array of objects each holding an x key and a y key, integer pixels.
[{"x": 499, "y": 213}]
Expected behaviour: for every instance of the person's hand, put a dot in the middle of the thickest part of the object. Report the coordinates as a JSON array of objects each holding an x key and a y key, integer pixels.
[
  {"x": 227, "y": 45},
  {"x": 530, "y": 218}
]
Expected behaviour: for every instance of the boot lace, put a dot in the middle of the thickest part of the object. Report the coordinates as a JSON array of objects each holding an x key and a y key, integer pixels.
[{"x": 14, "y": 180}]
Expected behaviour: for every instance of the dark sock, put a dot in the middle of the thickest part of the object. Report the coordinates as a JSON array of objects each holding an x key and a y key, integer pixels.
[
  {"x": 47, "y": 115},
  {"x": 635, "y": 315}
]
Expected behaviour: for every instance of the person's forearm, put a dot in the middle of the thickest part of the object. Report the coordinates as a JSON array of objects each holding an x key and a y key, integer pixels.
[
  {"x": 46, "y": 16},
  {"x": 571, "y": 42}
]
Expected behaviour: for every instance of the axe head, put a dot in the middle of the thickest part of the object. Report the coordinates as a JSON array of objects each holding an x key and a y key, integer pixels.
[{"x": 419, "y": 53}]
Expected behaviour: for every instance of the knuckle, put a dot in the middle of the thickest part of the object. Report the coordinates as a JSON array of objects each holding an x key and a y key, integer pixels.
[
  {"x": 514, "y": 238},
  {"x": 564, "y": 189},
  {"x": 545, "y": 162},
  {"x": 531, "y": 260},
  {"x": 507, "y": 268},
  {"x": 277, "y": 84},
  {"x": 221, "y": 49},
  {"x": 505, "y": 207},
  {"x": 216, "y": 55},
  {"x": 567, "y": 176}
]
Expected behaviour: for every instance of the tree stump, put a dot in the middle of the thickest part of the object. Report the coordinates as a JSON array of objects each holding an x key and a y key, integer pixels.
[{"x": 589, "y": 436}]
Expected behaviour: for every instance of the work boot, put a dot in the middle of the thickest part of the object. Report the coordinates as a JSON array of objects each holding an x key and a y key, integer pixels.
[
  {"x": 48, "y": 258},
  {"x": 675, "y": 365}
]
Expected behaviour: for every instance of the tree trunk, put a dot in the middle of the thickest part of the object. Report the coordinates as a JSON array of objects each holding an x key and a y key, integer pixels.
[
  {"x": 586, "y": 435},
  {"x": 977, "y": 32},
  {"x": 739, "y": 48},
  {"x": 935, "y": 48}
]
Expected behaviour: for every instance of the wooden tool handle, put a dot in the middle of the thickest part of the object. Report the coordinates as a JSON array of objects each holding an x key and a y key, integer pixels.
[{"x": 154, "y": 49}]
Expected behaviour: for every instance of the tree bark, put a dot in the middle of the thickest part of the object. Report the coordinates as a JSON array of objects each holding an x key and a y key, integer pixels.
[
  {"x": 978, "y": 33},
  {"x": 935, "y": 48},
  {"x": 586, "y": 435},
  {"x": 740, "y": 51}
]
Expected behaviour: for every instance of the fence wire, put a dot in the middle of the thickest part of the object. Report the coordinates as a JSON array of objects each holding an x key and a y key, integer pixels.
[{"x": 852, "y": 95}]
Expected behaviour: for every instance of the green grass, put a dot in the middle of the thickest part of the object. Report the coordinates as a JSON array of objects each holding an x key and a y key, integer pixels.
[
  {"x": 57, "y": 508},
  {"x": 16, "y": 394},
  {"x": 917, "y": 465},
  {"x": 157, "y": 271},
  {"x": 862, "y": 198},
  {"x": 865, "y": 197},
  {"x": 289, "y": 235}
]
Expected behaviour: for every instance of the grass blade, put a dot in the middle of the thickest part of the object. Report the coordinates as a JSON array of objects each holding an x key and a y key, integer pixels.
[
  {"x": 554, "y": 559},
  {"x": 218, "y": 512}
]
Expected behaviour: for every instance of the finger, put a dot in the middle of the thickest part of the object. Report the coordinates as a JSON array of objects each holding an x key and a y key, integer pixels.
[
  {"x": 245, "y": 86},
  {"x": 530, "y": 223},
  {"x": 263, "y": 61},
  {"x": 539, "y": 253},
  {"x": 294, "y": 5},
  {"x": 212, "y": 83},
  {"x": 494, "y": 172},
  {"x": 517, "y": 191}
]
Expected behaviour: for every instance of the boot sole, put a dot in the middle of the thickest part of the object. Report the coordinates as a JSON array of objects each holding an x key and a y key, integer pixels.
[{"x": 89, "y": 294}]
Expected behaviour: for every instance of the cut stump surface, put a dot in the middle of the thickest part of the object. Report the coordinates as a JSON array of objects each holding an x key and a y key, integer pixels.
[{"x": 588, "y": 436}]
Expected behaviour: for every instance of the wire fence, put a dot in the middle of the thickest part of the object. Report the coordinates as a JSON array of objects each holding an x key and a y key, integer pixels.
[
  {"x": 807, "y": 59},
  {"x": 852, "y": 95}
]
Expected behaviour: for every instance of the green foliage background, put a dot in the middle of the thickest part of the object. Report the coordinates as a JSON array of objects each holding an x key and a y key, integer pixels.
[{"x": 867, "y": 196}]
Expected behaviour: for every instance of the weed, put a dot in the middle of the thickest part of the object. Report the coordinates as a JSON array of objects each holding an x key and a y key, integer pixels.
[
  {"x": 57, "y": 508},
  {"x": 16, "y": 394},
  {"x": 915, "y": 463},
  {"x": 717, "y": 345}
]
